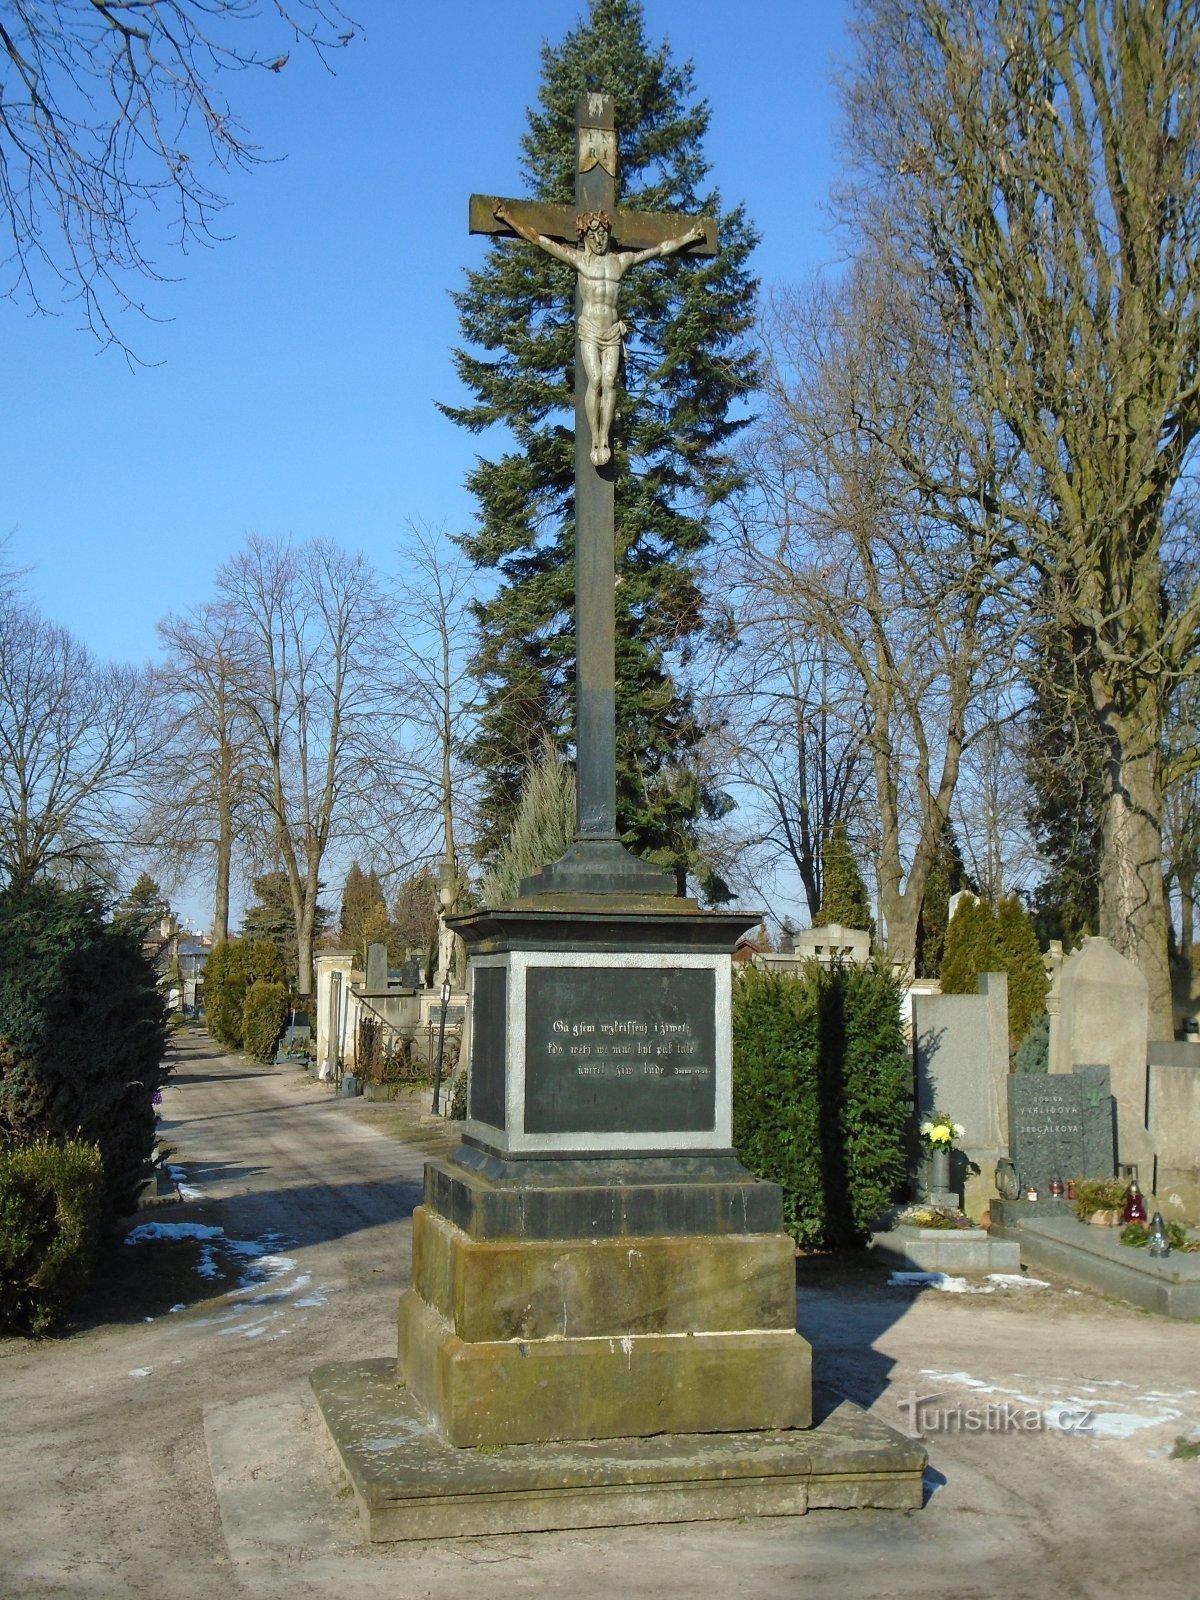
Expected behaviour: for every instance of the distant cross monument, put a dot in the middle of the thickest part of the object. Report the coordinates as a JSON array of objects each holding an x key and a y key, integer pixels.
[{"x": 610, "y": 241}]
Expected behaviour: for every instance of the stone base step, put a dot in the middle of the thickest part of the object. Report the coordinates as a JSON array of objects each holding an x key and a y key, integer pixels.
[{"x": 410, "y": 1484}]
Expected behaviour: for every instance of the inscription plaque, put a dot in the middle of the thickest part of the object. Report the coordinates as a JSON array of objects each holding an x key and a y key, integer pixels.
[
  {"x": 488, "y": 1045},
  {"x": 620, "y": 1050},
  {"x": 1060, "y": 1124}
]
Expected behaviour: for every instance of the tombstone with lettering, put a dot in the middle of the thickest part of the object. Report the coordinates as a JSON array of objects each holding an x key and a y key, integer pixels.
[
  {"x": 594, "y": 1263},
  {"x": 1061, "y": 1125},
  {"x": 377, "y": 969}
]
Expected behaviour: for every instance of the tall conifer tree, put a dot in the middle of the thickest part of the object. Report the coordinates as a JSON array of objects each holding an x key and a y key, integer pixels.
[{"x": 687, "y": 362}]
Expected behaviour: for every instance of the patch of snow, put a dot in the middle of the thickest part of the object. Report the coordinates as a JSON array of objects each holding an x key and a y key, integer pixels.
[
  {"x": 141, "y": 1372},
  {"x": 1010, "y": 1280},
  {"x": 1081, "y": 1414},
  {"x": 929, "y": 1280},
  {"x": 207, "y": 1266},
  {"x": 172, "y": 1230}
]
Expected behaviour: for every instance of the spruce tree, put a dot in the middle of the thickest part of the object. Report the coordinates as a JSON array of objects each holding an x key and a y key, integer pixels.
[
  {"x": 271, "y": 918},
  {"x": 844, "y": 896},
  {"x": 361, "y": 893},
  {"x": 687, "y": 362},
  {"x": 984, "y": 938}
]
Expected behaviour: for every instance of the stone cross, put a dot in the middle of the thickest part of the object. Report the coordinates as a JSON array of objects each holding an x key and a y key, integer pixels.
[{"x": 601, "y": 257}]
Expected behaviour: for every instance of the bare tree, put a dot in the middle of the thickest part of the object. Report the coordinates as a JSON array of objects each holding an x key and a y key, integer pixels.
[
  {"x": 203, "y": 793},
  {"x": 112, "y": 110},
  {"x": 791, "y": 725},
  {"x": 433, "y": 648},
  {"x": 74, "y": 737},
  {"x": 310, "y": 625},
  {"x": 894, "y": 588},
  {"x": 1038, "y": 163}
]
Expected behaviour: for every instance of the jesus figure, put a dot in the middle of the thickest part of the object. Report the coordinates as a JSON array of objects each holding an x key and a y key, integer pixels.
[{"x": 600, "y": 331}]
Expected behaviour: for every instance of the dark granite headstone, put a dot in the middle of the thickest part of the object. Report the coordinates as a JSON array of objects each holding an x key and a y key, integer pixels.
[
  {"x": 487, "y": 1052},
  {"x": 410, "y": 973},
  {"x": 1099, "y": 1122},
  {"x": 619, "y": 1050},
  {"x": 1061, "y": 1125}
]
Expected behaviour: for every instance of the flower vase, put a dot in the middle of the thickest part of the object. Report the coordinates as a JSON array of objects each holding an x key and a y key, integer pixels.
[{"x": 939, "y": 1169}]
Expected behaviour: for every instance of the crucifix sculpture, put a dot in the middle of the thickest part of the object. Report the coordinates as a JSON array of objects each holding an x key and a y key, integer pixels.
[{"x": 610, "y": 241}]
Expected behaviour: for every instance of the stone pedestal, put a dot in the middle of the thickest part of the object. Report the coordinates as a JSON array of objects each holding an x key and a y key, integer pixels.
[
  {"x": 602, "y": 1329},
  {"x": 595, "y": 1263},
  {"x": 595, "y": 1275}
]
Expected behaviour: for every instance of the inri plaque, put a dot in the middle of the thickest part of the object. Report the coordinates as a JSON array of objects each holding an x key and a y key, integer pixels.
[{"x": 620, "y": 1050}]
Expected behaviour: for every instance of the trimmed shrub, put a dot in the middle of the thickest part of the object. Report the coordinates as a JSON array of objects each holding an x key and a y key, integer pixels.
[
  {"x": 844, "y": 897},
  {"x": 52, "y": 1206},
  {"x": 228, "y": 974},
  {"x": 821, "y": 1087},
  {"x": 82, "y": 1030},
  {"x": 264, "y": 1013},
  {"x": 983, "y": 938}
]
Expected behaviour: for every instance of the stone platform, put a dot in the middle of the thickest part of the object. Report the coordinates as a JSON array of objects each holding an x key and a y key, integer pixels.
[
  {"x": 956, "y": 1250},
  {"x": 410, "y": 1484},
  {"x": 1095, "y": 1258}
]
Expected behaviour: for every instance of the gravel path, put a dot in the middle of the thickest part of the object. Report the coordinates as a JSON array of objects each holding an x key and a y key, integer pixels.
[{"x": 117, "y": 1478}]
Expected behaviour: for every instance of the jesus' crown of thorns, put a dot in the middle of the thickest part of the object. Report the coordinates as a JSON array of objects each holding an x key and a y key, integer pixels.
[{"x": 586, "y": 220}]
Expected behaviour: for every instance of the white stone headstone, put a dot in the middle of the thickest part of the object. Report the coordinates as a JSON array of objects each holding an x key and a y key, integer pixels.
[{"x": 1105, "y": 1018}]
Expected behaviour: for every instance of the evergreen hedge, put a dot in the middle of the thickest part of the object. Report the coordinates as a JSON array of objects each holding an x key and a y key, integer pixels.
[
  {"x": 228, "y": 974},
  {"x": 52, "y": 1206},
  {"x": 984, "y": 938},
  {"x": 264, "y": 1013},
  {"x": 822, "y": 1081},
  {"x": 82, "y": 1030}
]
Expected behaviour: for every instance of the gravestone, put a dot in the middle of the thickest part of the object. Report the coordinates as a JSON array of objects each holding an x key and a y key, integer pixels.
[
  {"x": 377, "y": 969},
  {"x": 1104, "y": 1016},
  {"x": 960, "y": 1054},
  {"x": 1061, "y": 1126},
  {"x": 1174, "y": 1123},
  {"x": 832, "y": 943}
]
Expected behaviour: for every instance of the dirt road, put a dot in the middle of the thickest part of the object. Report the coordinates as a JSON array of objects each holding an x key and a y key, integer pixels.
[{"x": 167, "y": 1445}]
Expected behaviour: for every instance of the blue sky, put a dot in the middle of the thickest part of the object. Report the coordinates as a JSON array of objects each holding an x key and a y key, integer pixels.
[
  {"x": 293, "y": 381},
  {"x": 294, "y": 384}
]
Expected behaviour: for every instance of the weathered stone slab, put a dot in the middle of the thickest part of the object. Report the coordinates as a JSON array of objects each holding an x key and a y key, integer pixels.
[
  {"x": 603, "y": 1288},
  {"x": 1105, "y": 1018},
  {"x": 377, "y": 969},
  {"x": 503, "y": 1392},
  {"x": 1096, "y": 1259},
  {"x": 410, "y": 1484},
  {"x": 954, "y": 1250},
  {"x": 960, "y": 1044},
  {"x": 600, "y": 1199}
]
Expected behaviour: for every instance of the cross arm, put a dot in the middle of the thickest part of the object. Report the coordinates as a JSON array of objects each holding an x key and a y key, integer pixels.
[{"x": 632, "y": 230}]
